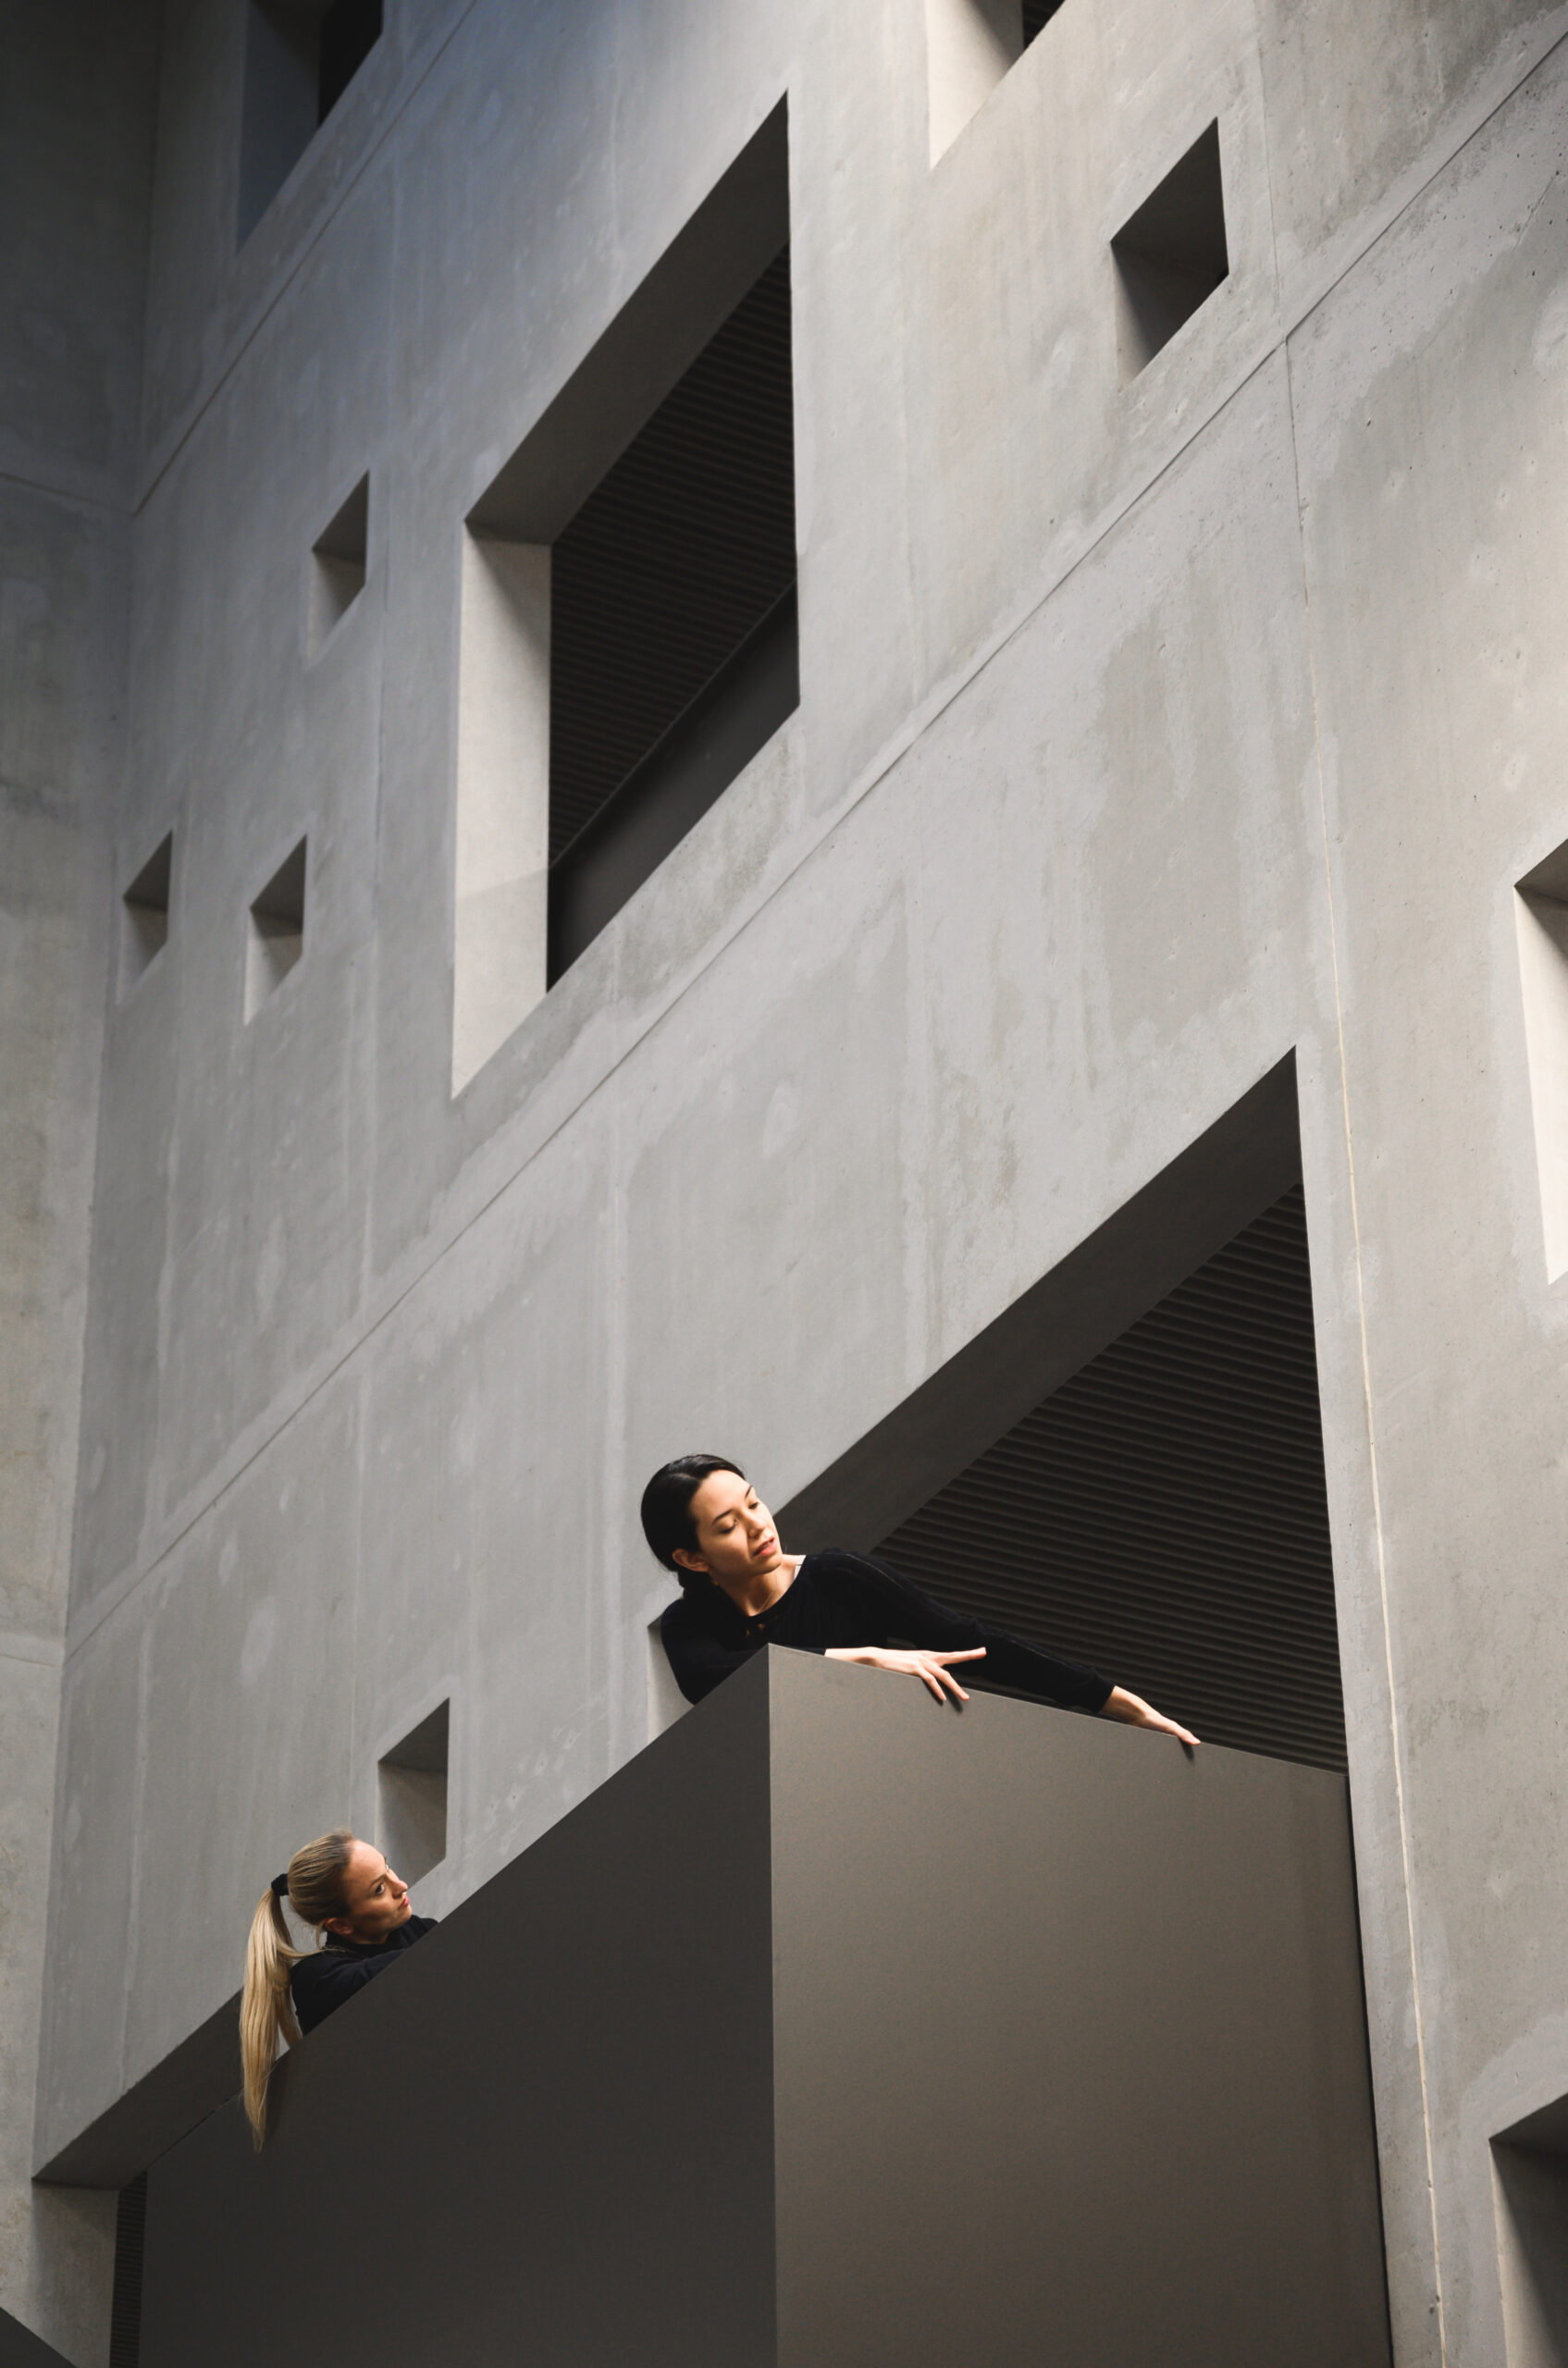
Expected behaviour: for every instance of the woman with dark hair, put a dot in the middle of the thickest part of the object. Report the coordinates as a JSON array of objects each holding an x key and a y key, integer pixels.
[{"x": 740, "y": 1591}]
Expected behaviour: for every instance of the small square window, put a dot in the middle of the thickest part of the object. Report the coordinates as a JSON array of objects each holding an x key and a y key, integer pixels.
[
  {"x": 301, "y": 56},
  {"x": 1170, "y": 255},
  {"x": 1541, "y": 919},
  {"x": 413, "y": 1796},
  {"x": 1037, "y": 15},
  {"x": 144, "y": 914},
  {"x": 970, "y": 44},
  {"x": 339, "y": 558},
  {"x": 277, "y": 931},
  {"x": 1530, "y": 2191}
]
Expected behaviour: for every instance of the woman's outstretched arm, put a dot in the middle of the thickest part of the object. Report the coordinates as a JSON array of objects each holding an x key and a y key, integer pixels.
[{"x": 1133, "y": 1711}]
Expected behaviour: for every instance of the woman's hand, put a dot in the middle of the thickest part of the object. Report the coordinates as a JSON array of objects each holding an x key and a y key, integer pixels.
[
  {"x": 929, "y": 1667},
  {"x": 1133, "y": 1711}
]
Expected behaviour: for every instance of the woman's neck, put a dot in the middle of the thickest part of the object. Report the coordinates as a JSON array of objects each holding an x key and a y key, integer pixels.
[{"x": 753, "y": 1596}]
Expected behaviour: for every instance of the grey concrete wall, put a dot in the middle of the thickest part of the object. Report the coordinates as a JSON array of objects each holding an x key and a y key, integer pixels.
[
  {"x": 1146, "y": 733},
  {"x": 76, "y": 101}
]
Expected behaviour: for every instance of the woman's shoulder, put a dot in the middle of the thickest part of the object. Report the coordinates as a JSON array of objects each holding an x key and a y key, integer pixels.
[{"x": 843, "y": 1565}]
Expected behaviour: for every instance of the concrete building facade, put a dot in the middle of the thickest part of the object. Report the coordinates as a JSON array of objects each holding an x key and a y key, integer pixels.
[{"x": 1182, "y": 692}]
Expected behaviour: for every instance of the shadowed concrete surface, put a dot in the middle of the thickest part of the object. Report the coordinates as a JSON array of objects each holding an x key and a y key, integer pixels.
[
  {"x": 20, "y": 2348},
  {"x": 835, "y": 2028}
]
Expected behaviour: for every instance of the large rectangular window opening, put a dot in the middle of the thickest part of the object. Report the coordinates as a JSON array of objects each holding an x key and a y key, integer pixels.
[
  {"x": 1127, "y": 1466},
  {"x": 628, "y": 636}
]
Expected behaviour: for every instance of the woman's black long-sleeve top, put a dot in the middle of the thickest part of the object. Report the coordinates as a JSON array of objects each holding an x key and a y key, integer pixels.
[
  {"x": 322, "y": 1983},
  {"x": 838, "y": 1598}
]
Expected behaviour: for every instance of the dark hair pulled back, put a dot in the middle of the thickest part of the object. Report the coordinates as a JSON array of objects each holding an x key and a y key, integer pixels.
[{"x": 666, "y": 1508}]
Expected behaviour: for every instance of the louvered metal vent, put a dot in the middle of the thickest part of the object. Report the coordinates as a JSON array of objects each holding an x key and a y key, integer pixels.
[
  {"x": 674, "y": 559},
  {"x": 1162, "y": 1515},
  {"x": 125, "y": 2310}
]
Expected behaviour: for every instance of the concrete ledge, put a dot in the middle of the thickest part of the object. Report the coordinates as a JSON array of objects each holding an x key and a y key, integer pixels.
[{"x": 191, "y": 2081}]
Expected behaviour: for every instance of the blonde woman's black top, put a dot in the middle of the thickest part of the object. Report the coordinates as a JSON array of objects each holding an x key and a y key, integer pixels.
[
  {"x": 320, "y": 1984},
  {"x": 839, "y": 1599}
]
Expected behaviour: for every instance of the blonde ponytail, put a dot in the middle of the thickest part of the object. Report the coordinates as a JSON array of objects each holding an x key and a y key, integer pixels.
[{"x": 266, "y": 2010}]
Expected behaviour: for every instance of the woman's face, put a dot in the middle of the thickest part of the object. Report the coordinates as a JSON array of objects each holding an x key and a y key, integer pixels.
[
  {"x": 374, "y": 1898},
  {"x": 736, "y": 1537}
]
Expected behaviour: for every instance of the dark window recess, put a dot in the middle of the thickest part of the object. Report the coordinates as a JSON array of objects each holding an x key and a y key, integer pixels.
[
  {"x": 125, "y": 2308},
  {"x": 144, "y": 913},
  {"x": 276, "y": 940},
  {"x": 350, "y": 31},
  {"x": 1172, "y": 254},
  {"x": 674, "y": 650},
  {"x": 341, "y": 555},
  {"x": 1037, "y": 15},
  {"x": 1162, "y": 1515},
  {"x": 1531, "y": 2198},
  {"x": 412, "y": 1780},
  {"x": 301, "y": 56}
]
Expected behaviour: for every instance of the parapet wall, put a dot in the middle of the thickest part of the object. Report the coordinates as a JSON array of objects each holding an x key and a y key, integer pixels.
[{"x": 835, "y": 2027}]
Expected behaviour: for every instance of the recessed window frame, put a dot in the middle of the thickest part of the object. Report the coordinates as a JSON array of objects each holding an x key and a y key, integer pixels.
[
  {"x": 504, "y": 953},
  {"x": 145, "y": 916},
  {"x": 338, "y": 568},
  {"x": 414, "y": 1805},
  {"x": 1171, "y": 256},
  {"x": 291, "y": 84},
  {"x": 277, "y": 920},
  {"x": 971, "y": 46}
]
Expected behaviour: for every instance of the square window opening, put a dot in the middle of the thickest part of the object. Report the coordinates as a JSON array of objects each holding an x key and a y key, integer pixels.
[
  {"x": 144, "y": 908},
  {"x": 1541, "y": 930},
  {"x": 1530, "y": 2194},
  {"x": 627, "y": 639},
  {"x": 301, "y": 56},
  {"x": 276, "y": 938},
  {"x": 412, "y": 1796},
  {"x": 970, "y": 44},
  {"x": 1170, "y": 255},
  {"x": 1037, "y": 15},
  {"x": 340, "y": 561}
]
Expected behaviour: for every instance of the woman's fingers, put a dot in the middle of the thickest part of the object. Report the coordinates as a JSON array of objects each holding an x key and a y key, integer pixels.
[{"x": 972, "y": 1653}]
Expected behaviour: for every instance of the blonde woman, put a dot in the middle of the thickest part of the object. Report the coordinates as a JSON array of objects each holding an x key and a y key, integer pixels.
[{"x": 363, "y": 1922}]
